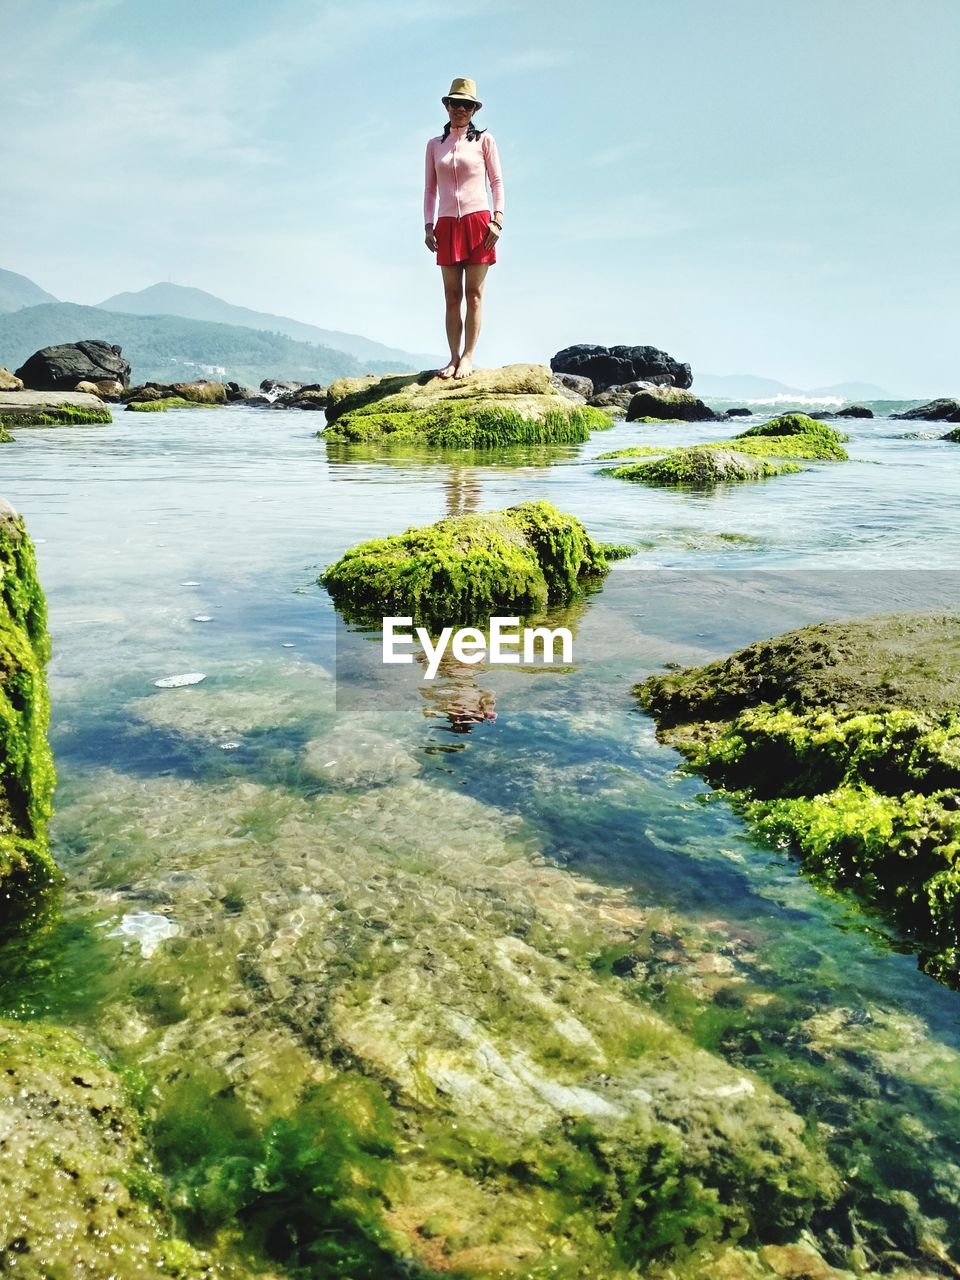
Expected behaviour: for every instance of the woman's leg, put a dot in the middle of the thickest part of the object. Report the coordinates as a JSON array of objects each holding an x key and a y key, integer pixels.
[
  {"x": 453, "y": 293},
  {"x": 476, "y": 275}
]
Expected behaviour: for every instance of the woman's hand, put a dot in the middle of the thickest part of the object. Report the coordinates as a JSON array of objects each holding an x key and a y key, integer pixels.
[
  {"x": 430, "y": 239},
  {"x": 493, "y": 234}
]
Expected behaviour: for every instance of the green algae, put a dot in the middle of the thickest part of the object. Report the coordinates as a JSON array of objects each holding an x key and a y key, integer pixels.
[
  {"x": 27, "y": 776},
  {"x": 800, "y": 445},
  {"x": 63, "y": 415},
  {"x": 700, "y": 467},
  {"x": 168, "y": 402},
  {"x": 469, "y": 426},
  {"x": 832, "y": 741},
  {"x": 468, "y": 568},
  {"x": 5, "y": 436},
  {"x": 795, "y": 424},
  {"x": 635, "y": 451},
  {"x": 77, "y": 1193}
]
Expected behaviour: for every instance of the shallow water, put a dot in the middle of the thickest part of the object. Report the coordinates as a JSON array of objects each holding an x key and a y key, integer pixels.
[{"x": 306, "y": 839}]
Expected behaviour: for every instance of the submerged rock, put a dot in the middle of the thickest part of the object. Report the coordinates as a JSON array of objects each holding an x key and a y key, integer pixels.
[
  {"x": 60, "y": 368},
  {"x": 952, "y": 435},
  {"x": 702, "y": 467},
  {"x": 855, "y": 411},
  {"x": 945, "y": 409},
  {"x": 613, "y": 366},
  {"x": 516, "y": 404},
  {"x": 842, "y": 739},
  {"x": 26, "y": 763},
  {"x": 78, "y": 1196},
  {"x": 469, "y": 568}
]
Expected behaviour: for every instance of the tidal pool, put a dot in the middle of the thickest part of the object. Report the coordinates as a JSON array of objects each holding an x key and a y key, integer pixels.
[{"x": 467, "y": 977}]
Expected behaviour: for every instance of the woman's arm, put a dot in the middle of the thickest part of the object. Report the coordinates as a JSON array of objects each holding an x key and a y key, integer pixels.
[
  {"x": 491, "y": 159},
  {"x": 429, "y": 189}
]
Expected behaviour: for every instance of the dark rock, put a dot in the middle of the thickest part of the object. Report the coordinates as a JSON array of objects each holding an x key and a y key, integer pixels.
[
  {"x": 669, "y": 402},
  {"x": 613, "y": 366},
  {"x": 272, "y": 386},
  {"x": 237, "y": 393},
  {"x": 573, "y": 386},
  {"x": 739, "y": 413},
  {"x": 943, "y": 410},
  {"x": 257, "y": 402},
  {"x": 60, "y": 368},
  {"x": 855, "y": 411}
]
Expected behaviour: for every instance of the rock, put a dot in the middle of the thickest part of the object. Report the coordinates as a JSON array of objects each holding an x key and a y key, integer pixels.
[
  {"x": 202, "y": 392},
  {"x": 257, "y": 402},
  {"x": 702, "y": 467},
  {"x": 516, "y": 404},
  {"x": 668, "y": 402},
  {"x": 26, "y": 763},
  {"x": 574, "y": 387},
  {"x": 78, "y": 1195},
  {"x": 311, "y": 398},
  {"x": 739, "y": 413},
  {"x": 785, "y": 437},
  {"x": 89, "y": 388},
  {"x": 60, "y": 368},
  {"x": 109, "y": 389},
  {"x": 51, "y": 409},
  {"x": 9, "y": 381},
  {"x": 854, "y": 411},
  {"x": 794, "y": 424},
  {"x": 952, "y": 435},
  {"x": 469, "y": 568},
  {"x": 235, "y": 392},
  {"x": 613, "y": 366},
  {"x": 272, "y": 386},
  {"x": 943, "y": 410},
  {"x": 842, "y": 741}
]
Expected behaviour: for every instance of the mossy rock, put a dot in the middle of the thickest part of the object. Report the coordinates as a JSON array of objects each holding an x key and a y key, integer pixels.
[
  {"x": 516, "y": 404},
  {"x": 795, "y": 446},
  {"x": 63, "y": 415},
  {"x": 5, "y": 436},
  {"x": 702, "y": 467},
  {"x": 953, "y": 435},
  {"x": 168, "y": 402},
  {"x": 26, "y": 763},
  {"x": 468, "y": 568},
  {"x": 843, "y": 740},
  {"x": 77, "y": 1194},
  {"x": 794, "y": 424}
]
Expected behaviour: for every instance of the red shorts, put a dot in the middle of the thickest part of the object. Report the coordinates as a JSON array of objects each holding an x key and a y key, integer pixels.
[{"x": 461, "y": 239}]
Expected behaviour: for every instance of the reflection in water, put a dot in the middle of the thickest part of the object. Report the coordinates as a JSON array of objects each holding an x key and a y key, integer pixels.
[
  {"x": 462, "y": 490},
  {"x": 455, "y": 694}
]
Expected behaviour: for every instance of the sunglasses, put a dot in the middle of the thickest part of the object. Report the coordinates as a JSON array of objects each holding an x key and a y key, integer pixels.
[{"x": 457, "y": 104}]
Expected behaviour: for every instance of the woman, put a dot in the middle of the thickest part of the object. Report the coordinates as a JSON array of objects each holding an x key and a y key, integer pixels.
[{"x": 464, "y": 237}]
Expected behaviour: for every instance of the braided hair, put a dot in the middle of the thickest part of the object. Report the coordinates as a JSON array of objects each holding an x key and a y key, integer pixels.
[{"x": 473, "y": 133}]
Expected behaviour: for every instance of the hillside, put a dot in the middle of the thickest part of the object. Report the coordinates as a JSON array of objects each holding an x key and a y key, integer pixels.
[
  {"x": 17, "y": 291},
  {"x": 169, "y": 348},
  {"x": 194, "y": 304}
]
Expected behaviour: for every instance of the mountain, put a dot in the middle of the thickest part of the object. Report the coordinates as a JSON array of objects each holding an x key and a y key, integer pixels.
[
  {"x": 746, "y": 386},
  {"x": 170, "y": 349},
  {"x": 17, "y": 291},
  {"x": 195, "y": 304}
]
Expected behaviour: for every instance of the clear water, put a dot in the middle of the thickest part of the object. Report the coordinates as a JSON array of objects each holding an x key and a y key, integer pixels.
[{"x": 234, "y": 808}]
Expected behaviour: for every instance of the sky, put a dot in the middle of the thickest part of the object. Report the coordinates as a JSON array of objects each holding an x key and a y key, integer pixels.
[{"x": 756, "y": 186}]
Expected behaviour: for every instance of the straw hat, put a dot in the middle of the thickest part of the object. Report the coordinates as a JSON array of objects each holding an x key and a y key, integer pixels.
[{"x": 463, "y": 88}]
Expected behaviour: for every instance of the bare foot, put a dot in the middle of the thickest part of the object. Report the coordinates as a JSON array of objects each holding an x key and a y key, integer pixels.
[
  {"x": 464, "y": 368},
  {"x": 448, "y": 370}
]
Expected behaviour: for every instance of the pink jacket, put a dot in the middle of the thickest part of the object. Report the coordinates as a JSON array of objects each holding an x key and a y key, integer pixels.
[{"x": 457, "y": 170}]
